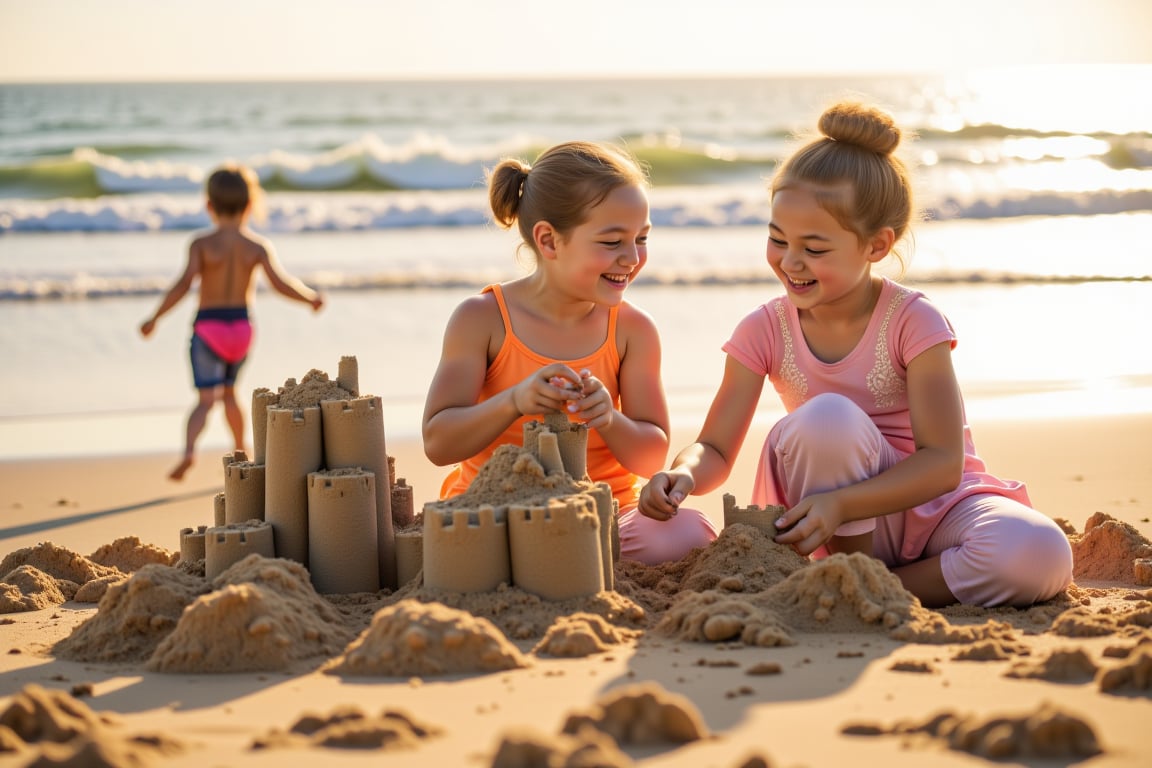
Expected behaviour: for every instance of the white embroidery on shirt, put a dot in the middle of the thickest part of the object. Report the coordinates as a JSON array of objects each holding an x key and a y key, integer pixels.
[
  {"x": 795, "y": 383},
  {"x": 883, "y": 382}
]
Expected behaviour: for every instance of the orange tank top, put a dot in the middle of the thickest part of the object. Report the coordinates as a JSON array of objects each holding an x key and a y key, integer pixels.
[{"x": 515, "y": 362}]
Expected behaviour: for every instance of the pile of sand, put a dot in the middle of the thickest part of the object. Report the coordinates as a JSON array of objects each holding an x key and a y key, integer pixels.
[
  {"x": 1109, "y": 550},
  {"x": 512, "y": 476},
  {"x": 841, "y": 593},
  {"x": 44, "y": 575},
  {"x": 642, "y": 713},
  {"x": 52, "y": 728},
  {"x": 413, "y": 638},
  {"x": 260, "y": 614},
  {"x": 348, "y": 727},
  {"x": 310, "y": 391},
  {"x": 580, "y": 635},
  {"x": 639, "y": 714},
  {"x": 1049, "y": 732},
  {"x": 741, "y": 559}
]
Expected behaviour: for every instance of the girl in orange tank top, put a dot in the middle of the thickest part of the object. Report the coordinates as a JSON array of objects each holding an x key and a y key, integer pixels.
[{"x": 564, "y": 339}]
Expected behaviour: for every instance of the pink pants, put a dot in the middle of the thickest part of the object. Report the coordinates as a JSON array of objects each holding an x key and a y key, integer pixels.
[
  {"x": 663, "y": 541},
  {"x": 993, "y": 550}
]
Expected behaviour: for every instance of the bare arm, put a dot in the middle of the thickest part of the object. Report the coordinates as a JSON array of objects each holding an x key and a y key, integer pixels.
[
  {"x": 934, "y": 468},
  {"x": 285, "y": 284},
  {"x": 178, "y": 290},
  {"x": 637, "y": 434},
  {"x": 705, "y": 464}
]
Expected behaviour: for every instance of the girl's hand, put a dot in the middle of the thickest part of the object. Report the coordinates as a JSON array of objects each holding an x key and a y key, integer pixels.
[
  {"x": 594, "y": 405},
  {"x": 546, "y": 390},
  {"x": 661, "y": 497},
  {"x": 810, "y": 523}
]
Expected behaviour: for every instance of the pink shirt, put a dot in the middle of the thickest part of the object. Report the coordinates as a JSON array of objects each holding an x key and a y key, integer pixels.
[{"x": 770, "y": 342}]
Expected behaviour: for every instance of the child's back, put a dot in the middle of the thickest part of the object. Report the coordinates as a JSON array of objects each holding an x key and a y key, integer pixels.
[{"x": 228, "y": 261}]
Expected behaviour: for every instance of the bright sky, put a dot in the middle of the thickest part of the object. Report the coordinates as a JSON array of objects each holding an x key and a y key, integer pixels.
[{"x": 281, "y": 39}]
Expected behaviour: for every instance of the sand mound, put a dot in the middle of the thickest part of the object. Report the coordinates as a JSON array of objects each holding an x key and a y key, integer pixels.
[
  {"x": 64, "y": 731},
  {"x": 581, "y": 634},
  {"x": 741, "y": 559},
  {"x": 57, "y": 562},
  {"x": 713, "y": 617},
  {"x": 1063, "y": 665},
  {"x": 526, "y": 748},
  {"x": 133, "y": 617},
  {"x": 264, "y": 615},
  {"x": 512, "y": 476},
  {"x": 1133, "y": 674},
  {"x": 1108, "y": 549},
  {"x": 348, "y": 727},
  {"x": 1049, "y": 732},
  {"x": 245, "y": 628},
  {"x": 38, "y": 577},
  {"x": 1083, "y": 622},
  {"x": 94, "y": 591},
  {"x": 314, "y": 388},
  {"x": 931, "y": 628},
  {"x": 843, "y": 593},
  {"x": 129, "y": 554},
  {"x": 414, "y": 638},
  {"x": 522, "y": 615},
  {"x": 642, "y": 713},
  {"x": 27, "y": 588}
]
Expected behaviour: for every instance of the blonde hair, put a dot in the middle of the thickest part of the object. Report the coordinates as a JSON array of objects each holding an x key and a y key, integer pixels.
[
  {"x": 561, "y": 187},
  {"x": 857, "y": 177},
  {"x": 233, "y": 189}
]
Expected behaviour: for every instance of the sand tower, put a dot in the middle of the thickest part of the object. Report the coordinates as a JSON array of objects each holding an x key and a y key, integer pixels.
[
  {"x": 555, "y": 547},
  {"x": 262, "y": 399},
  {"x": 244, "y": 486},
  {"x": 295, "y": 448},
  {"x": 353, "y": 432},
  {"x": 466, "y": 550},
  {"x": 229, "y": 544},
  {"x": 342, "y": 531}
]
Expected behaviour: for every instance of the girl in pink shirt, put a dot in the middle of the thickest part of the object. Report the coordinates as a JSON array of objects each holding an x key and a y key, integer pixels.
[{"x": 875, "y": 454}]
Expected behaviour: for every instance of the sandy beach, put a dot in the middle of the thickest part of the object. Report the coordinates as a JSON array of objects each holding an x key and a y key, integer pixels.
[{"x": 1072, "y": 677}]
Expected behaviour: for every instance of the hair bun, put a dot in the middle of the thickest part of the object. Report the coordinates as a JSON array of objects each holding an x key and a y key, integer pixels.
[{"x": 864, "y": 126}]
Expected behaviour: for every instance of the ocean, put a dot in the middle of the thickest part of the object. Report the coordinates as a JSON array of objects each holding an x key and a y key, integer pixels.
[{"x": 1036, "y": 188}]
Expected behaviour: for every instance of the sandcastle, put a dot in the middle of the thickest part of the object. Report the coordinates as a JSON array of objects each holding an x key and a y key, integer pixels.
[
  {"x": 319, "y": 490},
  {"x": 761, "y": 518},
  {"x": 531, "y": 518}
]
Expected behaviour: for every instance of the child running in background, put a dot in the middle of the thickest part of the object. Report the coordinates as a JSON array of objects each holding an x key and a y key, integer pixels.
[
  {"x": 875, "y": 454},
  {"x": 564, "y": 339},
  {"x": 225, "y": 260}
]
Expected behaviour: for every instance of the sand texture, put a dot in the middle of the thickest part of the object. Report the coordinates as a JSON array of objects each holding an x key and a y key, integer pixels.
[{"x": 741, "y": 655}]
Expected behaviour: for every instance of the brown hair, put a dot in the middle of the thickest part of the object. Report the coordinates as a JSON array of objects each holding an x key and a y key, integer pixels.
[
  {"x": 563, "y": 184},
  {"x": 232, "y": 189},
  {"x": 858, "y": 178}
]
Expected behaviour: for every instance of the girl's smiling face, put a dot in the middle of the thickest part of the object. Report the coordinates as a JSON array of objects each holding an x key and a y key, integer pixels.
[
  {"x": 814, "y": 256},
  {"x": 608, "y": 250}
]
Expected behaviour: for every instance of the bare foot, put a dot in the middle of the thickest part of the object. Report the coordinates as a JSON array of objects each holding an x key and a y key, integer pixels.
[{"x": 180, "y": 470}]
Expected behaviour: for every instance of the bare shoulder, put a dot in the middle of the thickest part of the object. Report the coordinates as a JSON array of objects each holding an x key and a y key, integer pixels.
[
  {"x": 479, "y": 312},
  {"x": 634, "y": 321},
  {"x": 257, "y": 245}
]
